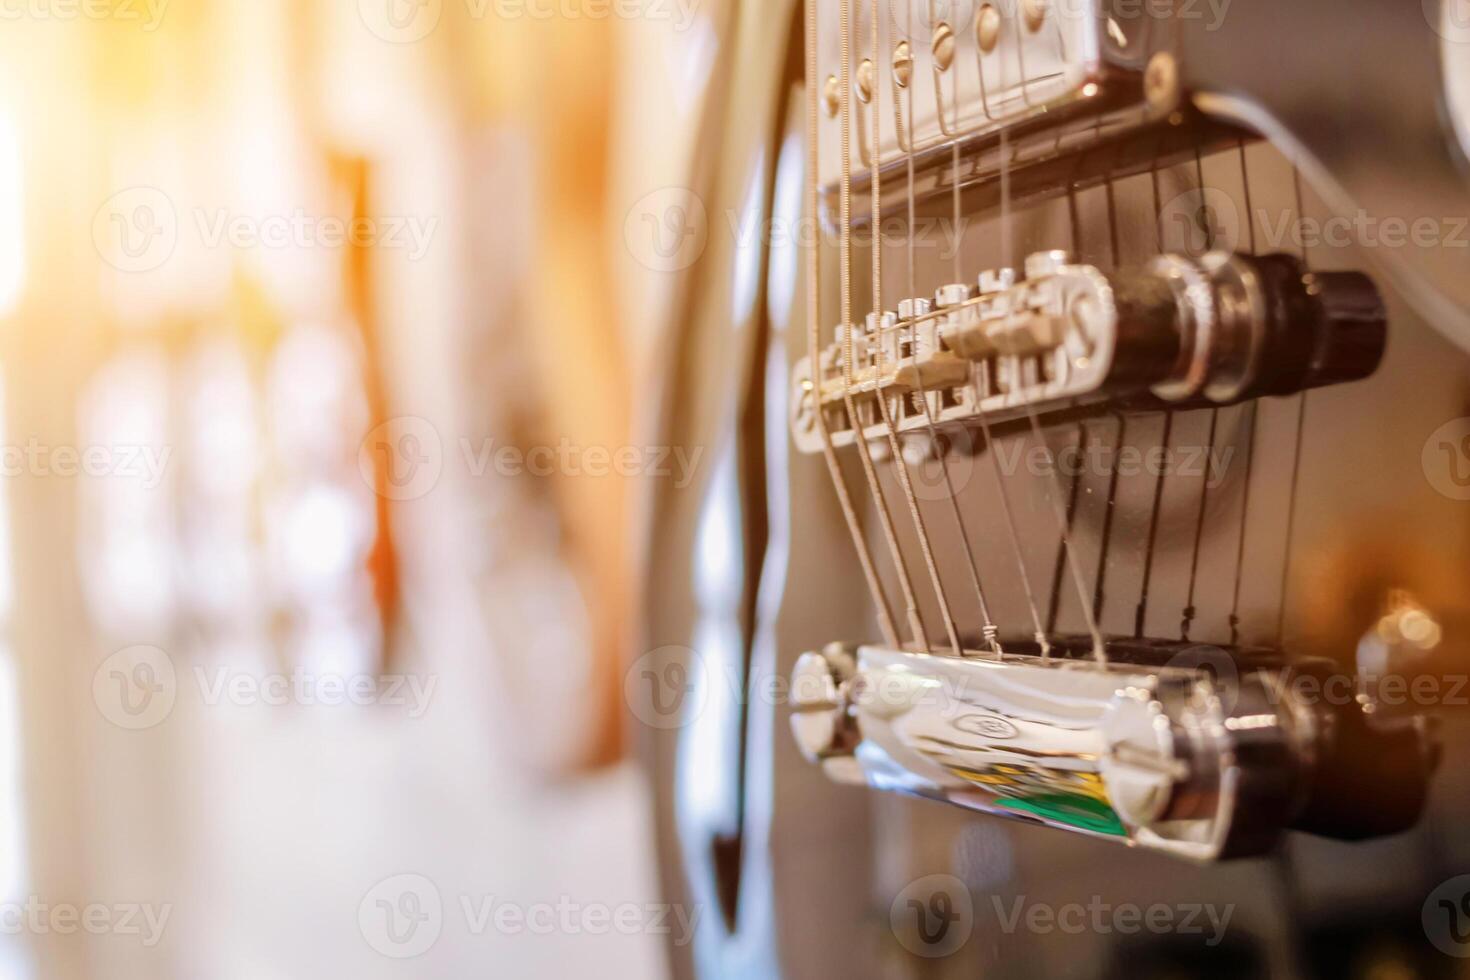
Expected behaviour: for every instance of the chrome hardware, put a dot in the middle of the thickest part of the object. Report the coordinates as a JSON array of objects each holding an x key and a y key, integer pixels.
[
  {"x": 1003, "y": 65},
  {"x": 1041, "y": 264},
  {"x": 865, "y": 81},
  {"x": 903, "y": 64},
  {"x": 1173, "y": 758},
  {"x": 987, "y": 28},
  {"x": 1212, "y": 330},
  {"x": 832, "y": 96},
  {"x": 1397, "y": 651},
  {"x": 1161, "y": 82},
  {"x": 943, "y": 46},
  {"x": 993, "y": 281},
  {"x": 1034, "y": 12}
]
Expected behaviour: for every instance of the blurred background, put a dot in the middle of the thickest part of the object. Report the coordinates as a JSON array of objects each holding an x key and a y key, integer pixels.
[{"x": 327, "y": 349}]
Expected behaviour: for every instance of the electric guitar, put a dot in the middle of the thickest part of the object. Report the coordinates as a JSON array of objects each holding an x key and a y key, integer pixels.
[{"x": 1089, "y": 518}]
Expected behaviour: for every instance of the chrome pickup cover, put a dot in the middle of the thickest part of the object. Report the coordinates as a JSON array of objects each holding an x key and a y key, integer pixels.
[
  {"x": 966, "y": 66},
  {"x": 958, "y": 74},
  {"x": 1198, "y": 763}
]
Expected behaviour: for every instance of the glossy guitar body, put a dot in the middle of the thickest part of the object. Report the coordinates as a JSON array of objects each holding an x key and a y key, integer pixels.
[{"x": 1285, "y": 522}]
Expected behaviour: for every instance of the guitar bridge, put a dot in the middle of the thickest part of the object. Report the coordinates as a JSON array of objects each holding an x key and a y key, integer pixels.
[
  {"x": 1179, "y": 331},
  {"x": 1203, "y": 764}
]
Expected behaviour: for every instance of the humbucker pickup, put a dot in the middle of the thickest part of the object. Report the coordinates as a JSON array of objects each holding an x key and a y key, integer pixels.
[{"x": 1178, "y": 331}]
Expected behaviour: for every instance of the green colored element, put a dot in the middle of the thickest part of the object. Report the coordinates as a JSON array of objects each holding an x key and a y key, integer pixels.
[{"x": 1075, "y": 810}]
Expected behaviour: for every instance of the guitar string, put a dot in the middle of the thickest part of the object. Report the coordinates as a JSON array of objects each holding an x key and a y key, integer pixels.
[
  {"x": 1140, "y": 615},
  {"x": 905, "y": 123},
  {"x": 1188, "y": 615},
  {"x": 987, "y": 373},
  {"x": 1301, "y": 419},
  {"x": 1107, "y": 529},
  {"x": 1100, "y": 576},
  {"x": 906, "y": 585},
  {"x": 814, "y": 294},
  {"x": 1054, "y": 607},
  {"x": 1250, "y": 445},
  {"x": 900, "y": 467},
  {"x": 1064, "y": 515},
  {"x": 1099, "y": 652},
  {"x": 1059, "y": 566}
]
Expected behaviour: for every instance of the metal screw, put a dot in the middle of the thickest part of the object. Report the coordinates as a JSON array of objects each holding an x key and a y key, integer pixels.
[
  {"x": 1035, "y": 14},
  {"x": 918, "y": 448},
  {"x": 1161, "y": 82},
  {"x": 996, "y": 281},
  {"x": 910, "y": 308},
  {"x": 865, "y": 80},
  {"x": 951, "y": 294},
  {"x": 943, "y": 46},
  {"x": 903, "y": 64},
  {"x": 806, "y": 407},
  {"x": 817, "y": 698},
  {"x": 831, "y": 95},
  {"x": 987, "y": 28},
  {"x": 1042, "y": 264}
]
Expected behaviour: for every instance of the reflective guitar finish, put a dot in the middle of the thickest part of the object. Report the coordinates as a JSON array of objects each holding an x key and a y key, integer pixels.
[{"x": 1304, "y": 523}]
